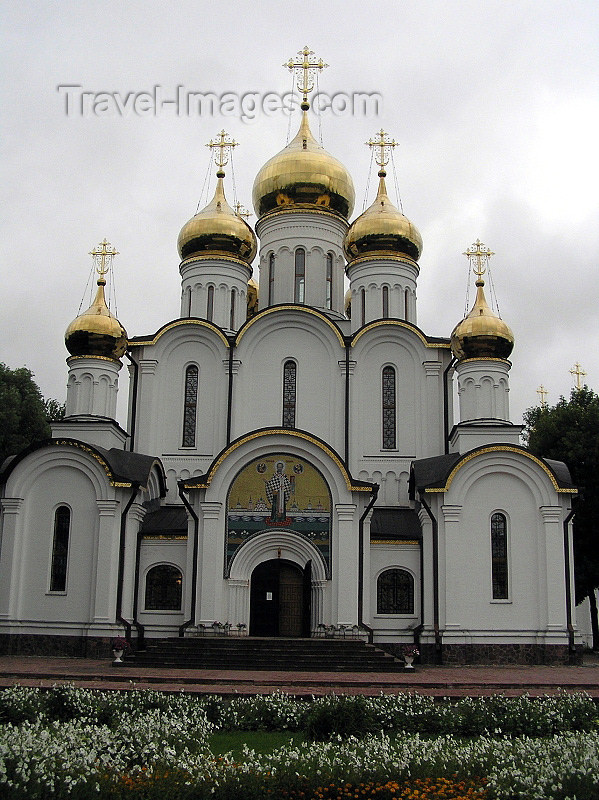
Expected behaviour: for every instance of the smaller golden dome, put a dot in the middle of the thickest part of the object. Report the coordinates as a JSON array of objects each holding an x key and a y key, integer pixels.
[
  {"x": 217, "y": 230},
  {"x": 303, "y": 176},
  {"x": 482, "y": 334},
  {"x": 252, "y": 298},
  {"x": 97, "y": 332},
  {"x": 347, "y": 304},
  {"x": 382, "y": 229}
]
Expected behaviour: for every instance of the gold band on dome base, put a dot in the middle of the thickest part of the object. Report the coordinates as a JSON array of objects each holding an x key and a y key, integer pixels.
[
  {"x": 383, "y": 255},
  {"x": 216, "y": 256},
  {"x": 98, "y": 358},
  {"x": 485, "y": 358},
  {"x": 303, "y": 208}
]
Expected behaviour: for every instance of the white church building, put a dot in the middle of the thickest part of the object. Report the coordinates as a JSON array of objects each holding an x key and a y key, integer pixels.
[{"x": 291, "y": 463}]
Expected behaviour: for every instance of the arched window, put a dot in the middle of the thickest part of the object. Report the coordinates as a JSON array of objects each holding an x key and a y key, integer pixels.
[
  {"x": 60, "y": 549},
  {"x": 389, "y": 409},
  {"x": 299, "y": 291},
  {"x": 210, "y": 304},
  {"x": 189, "y": 301},
  {"x": 190, "y": 405},
  {"x": 395, "y": 592},
  {"x": 363, "y": 306},
  {"x": 271, "y": 278},
  {"x": 163, "y": 588},
  {"x": 385, "y": 302},
  {"x": 406, "y": 311},
  {"x": 329, "y": 295},
  {"x": 289, "y": 386},
  {"x": 499, "y": 570},
  {"x": 232, "y": 312}
]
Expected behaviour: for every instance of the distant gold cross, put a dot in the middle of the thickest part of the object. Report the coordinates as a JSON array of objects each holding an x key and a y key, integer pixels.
[
  {"x": 241, "y": 211},
  {"x": 222, "y": 147},
  {"x": 103, "y": 255},
  {"x": 305, "y": 69},
  {"x": 578, "y": 373},
  {"x": 478, "y": 255},
  {"x": 382, "y": 146},
  {"x": 542, "y": 392}
]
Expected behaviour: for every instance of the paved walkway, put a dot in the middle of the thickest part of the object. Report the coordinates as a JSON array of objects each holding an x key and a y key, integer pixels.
[{"x": 474, "y": 681}]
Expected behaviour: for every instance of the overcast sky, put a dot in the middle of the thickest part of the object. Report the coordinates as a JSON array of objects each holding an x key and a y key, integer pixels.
[{"x": 495, "y": 106}]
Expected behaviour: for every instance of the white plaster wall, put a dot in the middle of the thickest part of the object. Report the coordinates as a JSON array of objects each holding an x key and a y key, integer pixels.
[{"x": 394, "y": 627}]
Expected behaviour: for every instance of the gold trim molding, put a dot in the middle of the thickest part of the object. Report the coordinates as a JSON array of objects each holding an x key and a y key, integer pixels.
[
  {"x": 402, "y": 324},
  {"x": 177, "y": 323},
  {"x": 291, "y": 307}
]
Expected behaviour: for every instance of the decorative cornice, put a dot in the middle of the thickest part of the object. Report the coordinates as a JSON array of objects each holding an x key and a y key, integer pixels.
[
  {"x": 204, "y": 481},
  {"x": 400, "y": 323},
  {"x": 290, "y": 307},
  {"x": 203, "y": 323},
  {"x": 500, "y": 448}
]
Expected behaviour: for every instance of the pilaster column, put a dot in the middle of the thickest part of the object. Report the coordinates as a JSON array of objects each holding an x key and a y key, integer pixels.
[
  {"x": 147, "y": 402},
  {"x": 106, "y": 562},
  {"x": 427, "y": 568},
  {"x": 239, "y": 597},
  {"x": 10, "y": 550},
  {"x": 451, "y": 565},
  {"x": 135, "y": 517},
  {"x": 346, "y": 557},
  {"x": 433, "y": 428},
  {"x": 318, "y": 610},
  {"x": 552, "y": 590},
  {"x": 210, "y": 553}
]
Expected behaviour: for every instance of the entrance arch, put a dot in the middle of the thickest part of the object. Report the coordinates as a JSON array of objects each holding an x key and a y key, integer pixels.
[{"x": 280, "y": 593}]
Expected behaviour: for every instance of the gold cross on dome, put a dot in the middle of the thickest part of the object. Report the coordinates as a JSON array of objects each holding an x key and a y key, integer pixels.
[
  {"x": 382, "y": 146},
  {"x": 241, "y": 211},
  {"x": 478, "y": 255},
  {"x": 103, "y": 255},
  {"x": 577, "y": 372},
  {"x": 306, "y": 70},
  {"x": 542, "y": 392},
  {"x": 222, "y": 147}
]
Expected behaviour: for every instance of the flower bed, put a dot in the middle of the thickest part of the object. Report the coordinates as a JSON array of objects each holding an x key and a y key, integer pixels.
[{"x": 77, "y": 744}]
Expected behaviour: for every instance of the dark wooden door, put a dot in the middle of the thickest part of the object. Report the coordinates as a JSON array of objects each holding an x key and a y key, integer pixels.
[
  {"x": 291, "y": 603},
  {"x": 278, "y": 605}
]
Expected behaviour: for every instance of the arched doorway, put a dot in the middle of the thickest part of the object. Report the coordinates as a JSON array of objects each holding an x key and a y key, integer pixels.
[{"x": 280, "y": 599}]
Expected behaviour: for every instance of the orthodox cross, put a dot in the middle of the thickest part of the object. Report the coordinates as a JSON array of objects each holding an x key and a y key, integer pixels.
[
  {"x": 103, "y": 255},
  {"x": 241, "y": 211},
  {"x": 222, "y": 147},
  {"x": 542, "y": 392},
  {"x": 478, "y": 255},
  {"x": 306, "y": 70},
  {"x": 577, "y": 372},
  {"x": 382, "y": 146}
]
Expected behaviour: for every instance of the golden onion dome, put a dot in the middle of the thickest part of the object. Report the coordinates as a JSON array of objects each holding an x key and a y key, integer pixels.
[
  {"x": 482, "y": 334},
  {"x": 252, "y": 298},
  {"x": 97, "y": 332},
  {"x": 217, "y": 230},
  {"x": 382, "y": 229},
  {"x": 303, "y": 176}
]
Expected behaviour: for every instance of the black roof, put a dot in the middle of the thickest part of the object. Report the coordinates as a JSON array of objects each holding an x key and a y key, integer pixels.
[
  {"x": 166, "y": 519},
  {"x": 395, "y": 524}
]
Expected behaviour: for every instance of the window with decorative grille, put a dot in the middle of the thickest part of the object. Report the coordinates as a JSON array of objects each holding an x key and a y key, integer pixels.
[
  {"x": 60, "y": 549},
  {"x": 289, "y": 387},
  {"x": 163, "y": 588},
  {"x": 389, "y": 410},
  {"x": 395, "y": 592},
  {"x": 190, "y": 405},
  {"x": 499, "y": 570}
]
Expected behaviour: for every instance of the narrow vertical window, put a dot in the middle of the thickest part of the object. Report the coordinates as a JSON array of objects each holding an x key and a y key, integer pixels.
[
  {"x": 363, "y": 306},
  {"x": 385, "y": 302},
  {"x": 289, "y": 387},
  {"x": 60, "y": 549},
  {"x": 300, "y": 276},
  {"x": 389, "y": 411},
  {"x": 329, "y": 294},
  {"x": 499, "y": 572},
  {"x": 189, "y": 301},
  {"x": 210, "y": 304},
  {"x": 190, "y": 406},
  {"x": 232, "y": 312},
  {"x": 406, "y": 310},
  {"x": 271, "y": 278}
]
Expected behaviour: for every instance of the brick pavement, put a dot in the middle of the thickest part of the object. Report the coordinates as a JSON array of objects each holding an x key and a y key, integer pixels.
[{"x": 437, "y": 681}]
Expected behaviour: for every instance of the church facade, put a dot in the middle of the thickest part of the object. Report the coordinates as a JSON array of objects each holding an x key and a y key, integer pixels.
[{"x": 291, "y": 466}]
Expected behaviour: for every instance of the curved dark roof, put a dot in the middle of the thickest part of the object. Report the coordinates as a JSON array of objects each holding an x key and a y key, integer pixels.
[{"x": 395, "y": 524}]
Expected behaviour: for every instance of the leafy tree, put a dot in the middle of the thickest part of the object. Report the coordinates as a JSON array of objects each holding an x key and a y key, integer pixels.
[
  {"x": 23, "y": 411},
  {"x": 54, "y": 410},
  {"x": 569, "y": 431}
]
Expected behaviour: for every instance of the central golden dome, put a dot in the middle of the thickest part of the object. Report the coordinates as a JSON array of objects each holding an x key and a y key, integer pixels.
[
  {"x": 217, "y": 230},
  {"x": 303, "y": 175},
  {"x": 382, "y": 229}
]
